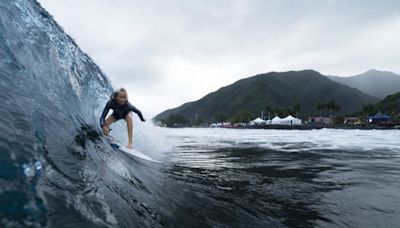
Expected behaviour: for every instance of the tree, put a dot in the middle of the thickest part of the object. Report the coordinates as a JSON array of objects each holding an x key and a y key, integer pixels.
[
  {"x": 296, "y": 109},
  {"x": 220, "y": 117},
  {"x": 319, "y": 106},
  {"x": 177, "y": 120},
  {"x": 368, "y": 109},
  {"x": 241, "y": 117},
  {"x": 269, "y": 111},
  {"x": 279, "y": 111},
  {"x": 332, "y": 106},
  {"x": 198, "y": 121}
]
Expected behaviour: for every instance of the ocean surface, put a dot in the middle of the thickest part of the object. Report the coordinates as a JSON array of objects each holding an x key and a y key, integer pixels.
[{"x": 288, "y": 178}]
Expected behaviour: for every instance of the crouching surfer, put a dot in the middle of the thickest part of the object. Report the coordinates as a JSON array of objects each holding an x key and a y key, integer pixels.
[{"x": 122, "y": 109}]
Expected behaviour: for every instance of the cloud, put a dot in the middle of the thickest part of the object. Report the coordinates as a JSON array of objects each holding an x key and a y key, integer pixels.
[{"x": 170, "y": 52}]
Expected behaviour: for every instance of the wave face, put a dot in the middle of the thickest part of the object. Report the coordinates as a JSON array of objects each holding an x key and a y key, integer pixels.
[{"x": 55, "y": 168}]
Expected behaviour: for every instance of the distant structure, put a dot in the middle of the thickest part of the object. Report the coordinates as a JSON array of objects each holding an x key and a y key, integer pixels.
[
  {"x": 378, "y": 118},
  {"x": 289, "y": 120}
]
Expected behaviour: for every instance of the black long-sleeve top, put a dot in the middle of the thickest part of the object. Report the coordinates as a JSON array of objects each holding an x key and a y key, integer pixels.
[{"x": 119, "y": 111}]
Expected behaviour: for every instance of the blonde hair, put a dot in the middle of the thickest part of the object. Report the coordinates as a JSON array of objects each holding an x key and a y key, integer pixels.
[{"x": 117, "y": 92}]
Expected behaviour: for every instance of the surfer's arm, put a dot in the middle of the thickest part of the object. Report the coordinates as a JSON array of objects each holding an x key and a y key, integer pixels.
[
  {"x": 104, "y": 114},
  {"x": 135, "y": 110}
]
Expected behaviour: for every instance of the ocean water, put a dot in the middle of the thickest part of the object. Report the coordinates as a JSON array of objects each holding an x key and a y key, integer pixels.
[{"x": 289, "y": 178}]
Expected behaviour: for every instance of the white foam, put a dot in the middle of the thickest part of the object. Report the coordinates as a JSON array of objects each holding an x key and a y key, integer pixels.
[{"x": 290, "y": 140}]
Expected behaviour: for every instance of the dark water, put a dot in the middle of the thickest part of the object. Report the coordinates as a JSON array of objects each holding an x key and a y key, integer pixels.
[
  {"x": 327, "y": 178},
  {"x": 57, "y": 170}
]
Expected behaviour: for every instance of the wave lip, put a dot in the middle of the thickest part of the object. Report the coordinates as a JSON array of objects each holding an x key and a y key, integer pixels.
[{"x": 49, "y": 88}]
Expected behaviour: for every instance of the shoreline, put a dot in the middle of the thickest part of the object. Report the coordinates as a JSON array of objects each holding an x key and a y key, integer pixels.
[{"x": 317, "y": 127}]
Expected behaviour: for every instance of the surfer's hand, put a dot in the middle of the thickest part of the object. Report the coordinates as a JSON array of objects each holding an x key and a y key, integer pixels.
[
  {"x": 106, "y": 130},
  {"x": 143, "y": 120}
]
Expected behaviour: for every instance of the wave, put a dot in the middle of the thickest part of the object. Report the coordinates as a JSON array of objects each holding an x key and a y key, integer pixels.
[{"x": 56, "y": 169}]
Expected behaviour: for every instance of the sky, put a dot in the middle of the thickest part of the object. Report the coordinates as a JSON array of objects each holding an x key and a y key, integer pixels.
[{"x": 169, "y": 52}]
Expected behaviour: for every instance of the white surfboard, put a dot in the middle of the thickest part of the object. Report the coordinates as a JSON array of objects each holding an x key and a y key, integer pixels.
[{"x": 117, "y": 145}]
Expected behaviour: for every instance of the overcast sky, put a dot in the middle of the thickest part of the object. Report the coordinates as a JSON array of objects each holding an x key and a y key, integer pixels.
[{"x": 169, "y": 52}]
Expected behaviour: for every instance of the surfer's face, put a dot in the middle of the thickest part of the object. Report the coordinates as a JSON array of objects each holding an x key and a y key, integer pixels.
[{"x": 121, "y": 98}]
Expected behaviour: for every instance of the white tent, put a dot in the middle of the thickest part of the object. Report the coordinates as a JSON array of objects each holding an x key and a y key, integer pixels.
[
  {"x": 276, "y": 120},
  {"x": 290, "y": 120},
  {"x": 258, "y": 121}
]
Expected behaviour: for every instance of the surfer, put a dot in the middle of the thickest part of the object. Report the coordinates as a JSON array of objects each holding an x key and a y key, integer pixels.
[{"x": 122, "y": 109}]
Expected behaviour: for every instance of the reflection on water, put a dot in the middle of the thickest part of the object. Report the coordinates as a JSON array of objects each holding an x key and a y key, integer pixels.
[{"x": 324, "y": 178}]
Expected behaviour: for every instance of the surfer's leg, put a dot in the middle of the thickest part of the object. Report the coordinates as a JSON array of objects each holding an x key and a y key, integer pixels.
[
  {"x": 129, "y": 123},
  {"x": 109, "y": 120}
]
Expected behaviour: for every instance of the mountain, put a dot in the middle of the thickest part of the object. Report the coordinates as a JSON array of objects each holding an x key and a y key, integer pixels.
[
  {"x": 373, "y": 82},
  {"x": 390, "y": 105},
  {"x": 273, "y": 90}
]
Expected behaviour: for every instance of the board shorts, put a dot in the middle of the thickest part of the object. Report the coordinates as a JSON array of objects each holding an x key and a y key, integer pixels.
[{"x": 119, "y": 116}]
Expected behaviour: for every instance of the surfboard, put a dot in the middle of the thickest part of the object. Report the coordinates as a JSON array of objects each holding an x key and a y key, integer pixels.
[{"x": 116, "y": 145}]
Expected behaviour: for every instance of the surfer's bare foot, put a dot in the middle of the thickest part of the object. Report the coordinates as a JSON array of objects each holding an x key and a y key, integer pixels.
[{"x": 130, "y": 146}]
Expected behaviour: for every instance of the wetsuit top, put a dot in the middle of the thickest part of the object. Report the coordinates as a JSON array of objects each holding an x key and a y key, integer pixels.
[{"x": 119, "y": 111}]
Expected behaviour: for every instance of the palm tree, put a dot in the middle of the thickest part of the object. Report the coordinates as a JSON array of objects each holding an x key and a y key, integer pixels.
[
  {"x": 279, "y": 111},
  {"x": 319, "y": 106},
  {"x": 269, "y": 111},
  {"x": 297, "y": 108},
  {"x": 332, "y": 106},
  {"x": 368, "y": 109}
]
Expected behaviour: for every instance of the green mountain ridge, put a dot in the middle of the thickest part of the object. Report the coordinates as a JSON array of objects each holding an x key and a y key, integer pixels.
[
  {"x": 274, "y": 89},
  {"x": 373, "y": 82},
  {"x": 390, "y": 105}
]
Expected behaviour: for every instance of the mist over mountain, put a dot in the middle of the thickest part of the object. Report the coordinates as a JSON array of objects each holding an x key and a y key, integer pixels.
[
  {"x": 275, "y": 89},
  {"x": 373, "y": 82}
]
